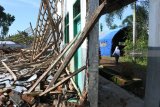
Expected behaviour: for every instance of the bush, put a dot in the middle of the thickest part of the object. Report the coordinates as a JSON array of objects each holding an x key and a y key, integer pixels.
[{"x": 140, "y": 49}]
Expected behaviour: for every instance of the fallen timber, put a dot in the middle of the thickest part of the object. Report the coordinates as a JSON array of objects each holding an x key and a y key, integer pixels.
[
  {"x": 44, "y": 73},
  {"x": 51, "y": 66},
  {"x": 65, "y": 79}
]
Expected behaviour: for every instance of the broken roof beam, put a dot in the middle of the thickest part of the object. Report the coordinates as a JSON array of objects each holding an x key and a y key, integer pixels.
[{"x": 112, "y": 5}]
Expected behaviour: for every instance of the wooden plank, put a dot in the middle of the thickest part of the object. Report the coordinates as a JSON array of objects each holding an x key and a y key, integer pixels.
[
  {"x": 52, "y": 65},
  {"x": 53, "y": 26},
  {"x": 22, "y": 54},
  {"x": 41, "y": 24},
  {"x": 45, "y": 35},
  {"x": 32, "y": 28},
  {"x": 62, "y": 81},
  {"x": 74, "y": 84},
  {"x": 43, "y": 50},
  {"x": 34, "y": 43},
  {"x": 10, "y": 71},
  {"x": 89, "y": 25}
]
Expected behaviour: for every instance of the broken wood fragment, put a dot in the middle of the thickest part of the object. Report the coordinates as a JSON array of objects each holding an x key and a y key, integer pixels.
[
  {"x": 10, "y": 71},
  {"x": 62, "y": 81},
  {"x": 74, "y": 84}
]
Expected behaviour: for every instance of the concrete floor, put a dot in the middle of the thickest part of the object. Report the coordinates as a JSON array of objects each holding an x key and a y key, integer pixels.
[{"x": 111, "y": 95}]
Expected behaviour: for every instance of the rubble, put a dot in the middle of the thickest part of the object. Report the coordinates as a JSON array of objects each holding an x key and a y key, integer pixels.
[{"x": 24, "y": 82}]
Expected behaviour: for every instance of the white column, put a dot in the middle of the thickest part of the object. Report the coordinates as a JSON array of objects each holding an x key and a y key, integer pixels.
[
  {"x": 152, "y": 96},
  {"x": 71, "y": 29}
]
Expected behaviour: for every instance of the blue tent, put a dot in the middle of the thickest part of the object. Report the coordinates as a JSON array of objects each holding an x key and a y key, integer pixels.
[{"x": 106, "y": 40}]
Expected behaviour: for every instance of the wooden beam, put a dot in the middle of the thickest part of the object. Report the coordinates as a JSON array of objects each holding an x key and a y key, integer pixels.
[
  {"x": 10, "y": 71},
  {"x": 43, "y": 50},
  {"x": 62, "y": 81},
  {"x": 22, "y": 54},
  {"x": 52, "y": 24},
  {"x": 74, "y": 84},
  {"x": 35, "y": 36},
  {"x": 32, "y": 29}
]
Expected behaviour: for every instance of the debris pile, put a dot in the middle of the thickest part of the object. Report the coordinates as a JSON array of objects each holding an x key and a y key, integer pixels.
[
  {"x": 27, "y": 82},
  {"x": 24, "y": 82}
]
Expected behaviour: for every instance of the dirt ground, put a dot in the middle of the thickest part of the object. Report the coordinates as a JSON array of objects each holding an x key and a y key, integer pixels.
[{"x": 126, "y": 68}]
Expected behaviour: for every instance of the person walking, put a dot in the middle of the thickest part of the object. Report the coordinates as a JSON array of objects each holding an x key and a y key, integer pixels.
[{"x": 116, "y": 54}]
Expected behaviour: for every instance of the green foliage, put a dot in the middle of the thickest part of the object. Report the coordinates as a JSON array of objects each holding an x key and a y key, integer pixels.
[
  {"x": 140, "y": 49},
  {"x": 142, "y": 8},
  {"x": 5, "y": 21},
  {"x": 142, "y": 35},
  {"x": 114, "y": 26},
  {"x": 21, "y": 38},
  {"x": 128, "y": 20},
  {"x": 101, "y": 27},
  {"x": 112, "y": 16}
]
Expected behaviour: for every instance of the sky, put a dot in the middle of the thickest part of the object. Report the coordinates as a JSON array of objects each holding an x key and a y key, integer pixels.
[{"x": 25, "y": 11}]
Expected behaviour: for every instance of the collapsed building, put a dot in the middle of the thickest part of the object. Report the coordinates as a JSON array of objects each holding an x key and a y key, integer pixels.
[{"x": 61, "y": 68}]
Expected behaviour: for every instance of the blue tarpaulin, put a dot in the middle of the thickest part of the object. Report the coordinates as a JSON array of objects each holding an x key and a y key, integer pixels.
[{"x": 105, "y": 40}]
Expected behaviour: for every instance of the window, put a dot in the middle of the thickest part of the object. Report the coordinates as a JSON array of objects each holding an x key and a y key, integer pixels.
[
  {"x": 66, "y": 29},
  {"x": 76, "y": 8}
]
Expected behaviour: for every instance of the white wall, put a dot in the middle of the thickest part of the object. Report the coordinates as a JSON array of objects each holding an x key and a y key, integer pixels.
[{"x": 69, "y": 8}]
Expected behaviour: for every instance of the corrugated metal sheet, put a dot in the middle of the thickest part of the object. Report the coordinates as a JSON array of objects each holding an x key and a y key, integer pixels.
[
  {"x": 7, "y": 42},
  {"x": 10, "y": 44}
]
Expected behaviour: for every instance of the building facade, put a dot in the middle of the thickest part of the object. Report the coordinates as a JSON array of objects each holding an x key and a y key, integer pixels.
[{"x": 74, "y": 21}]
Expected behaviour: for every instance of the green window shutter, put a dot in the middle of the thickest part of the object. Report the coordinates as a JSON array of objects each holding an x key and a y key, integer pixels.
[
  {"x": 66, "y": 30},
  {"x": 76, "y": 8}
]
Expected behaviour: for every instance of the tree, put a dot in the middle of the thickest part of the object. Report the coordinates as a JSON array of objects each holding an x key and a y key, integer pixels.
[
  {"x": 128, "y": 21},
  {"x": 6, "y": 20},
  {"x": 101, "y": 27},
  {"x": 141, "y": 21},
  {"x": 141, "y": 7},
  {"x": 112, "y": 16},
  {"x": 113, "y": 26},
  {"x": 142, "y": 32},
  {"x": 21, "y": 38}
]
